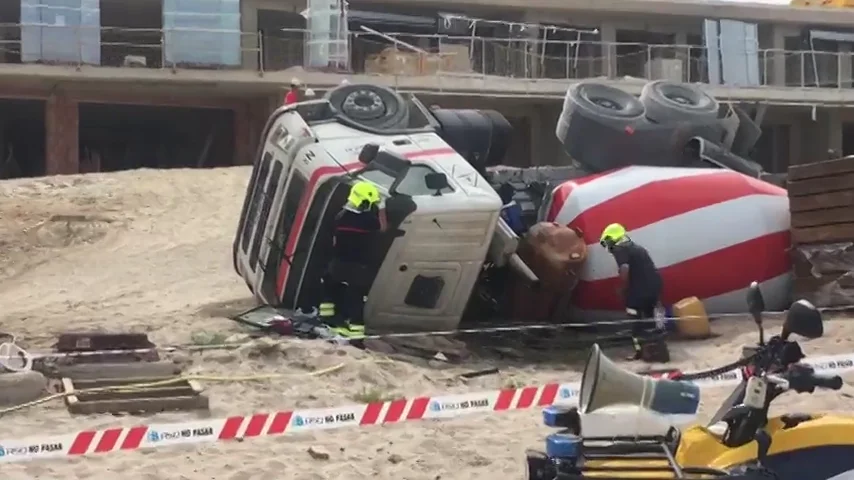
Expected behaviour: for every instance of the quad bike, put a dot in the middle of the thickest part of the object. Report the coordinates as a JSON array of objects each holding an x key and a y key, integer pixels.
[{"x": 740, "y": 443}]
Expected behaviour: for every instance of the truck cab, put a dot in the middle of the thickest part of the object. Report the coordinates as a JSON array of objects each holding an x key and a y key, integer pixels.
[{"x": 442, "y": 213}]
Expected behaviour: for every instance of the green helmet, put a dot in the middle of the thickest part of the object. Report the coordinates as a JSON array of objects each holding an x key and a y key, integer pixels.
[
  {"x": 363, "y": 195},
  {"x": 612, "y": 235}
]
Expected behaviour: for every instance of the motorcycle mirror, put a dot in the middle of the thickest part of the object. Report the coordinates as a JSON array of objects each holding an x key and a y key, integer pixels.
[
  {"x": 803, "y": 319},
  {"x": 756, "y": 305},
  {"x": 755, "y": 301}
]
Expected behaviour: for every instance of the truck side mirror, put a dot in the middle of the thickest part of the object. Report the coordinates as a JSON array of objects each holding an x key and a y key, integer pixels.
[
  {"x": 436, "y": 182},
  {"x": 369, "y": 153}
]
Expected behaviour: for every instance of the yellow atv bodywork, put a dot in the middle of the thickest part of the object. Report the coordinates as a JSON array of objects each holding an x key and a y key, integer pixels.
[{"x": 700, "y": 447}]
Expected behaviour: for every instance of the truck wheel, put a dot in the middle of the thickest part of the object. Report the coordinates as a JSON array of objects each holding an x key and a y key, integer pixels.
[
  {"x": 372, "y": 106},
  {"x": 670, "y": 102},
  {"x": 603, "y": 103},
  {"x": 595, "y": 123},
  {"x": 480, "y": 136}
]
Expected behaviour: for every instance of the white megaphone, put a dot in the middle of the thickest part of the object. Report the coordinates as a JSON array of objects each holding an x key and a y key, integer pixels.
[{"x": 605, "y": 384}]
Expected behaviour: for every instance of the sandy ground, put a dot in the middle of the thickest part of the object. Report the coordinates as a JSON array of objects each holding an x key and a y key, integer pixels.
[{"x": 150, "y": 251}]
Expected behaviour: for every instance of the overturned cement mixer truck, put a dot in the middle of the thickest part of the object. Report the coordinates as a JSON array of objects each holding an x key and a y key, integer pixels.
[{"x": 669, "y": 166}]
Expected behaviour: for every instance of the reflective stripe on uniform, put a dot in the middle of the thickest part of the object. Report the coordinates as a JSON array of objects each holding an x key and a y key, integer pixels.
[
  {"x": 350, "y": 331},
  {"x": 326, "y": 309}
]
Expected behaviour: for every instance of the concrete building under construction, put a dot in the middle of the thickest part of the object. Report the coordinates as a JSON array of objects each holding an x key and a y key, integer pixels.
[{"x": 118, "y": 84}]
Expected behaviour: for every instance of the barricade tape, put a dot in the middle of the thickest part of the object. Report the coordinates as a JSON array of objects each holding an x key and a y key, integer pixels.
[{"x": 297, "y": 421}]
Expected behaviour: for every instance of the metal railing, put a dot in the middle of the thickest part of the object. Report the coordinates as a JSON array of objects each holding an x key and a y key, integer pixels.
[{"x": 413, "y": 55}]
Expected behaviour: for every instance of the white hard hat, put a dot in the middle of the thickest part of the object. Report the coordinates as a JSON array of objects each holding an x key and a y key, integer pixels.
[
  {"x": 345, "y": 82},
  {"x": 295, "y": 82},
  {"x": 309, "y": 92}
]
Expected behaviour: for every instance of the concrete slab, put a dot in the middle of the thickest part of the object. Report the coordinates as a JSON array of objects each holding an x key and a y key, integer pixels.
[
  {"x": 697, "y": 9},
  {"x": 242, "y": 83}
]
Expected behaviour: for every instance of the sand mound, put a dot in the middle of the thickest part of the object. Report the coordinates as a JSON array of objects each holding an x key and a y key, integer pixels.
[{"x": 151, "y": 251}]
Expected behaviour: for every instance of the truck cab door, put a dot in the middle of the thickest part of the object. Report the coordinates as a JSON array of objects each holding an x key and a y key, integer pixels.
[{"x": 432, "y": 254}]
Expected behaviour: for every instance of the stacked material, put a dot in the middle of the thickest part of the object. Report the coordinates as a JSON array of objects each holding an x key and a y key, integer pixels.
[{"x": 821, "y": 201}]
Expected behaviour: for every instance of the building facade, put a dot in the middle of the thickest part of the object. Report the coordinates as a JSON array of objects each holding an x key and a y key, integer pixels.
[{"x": 115, "y": 84}]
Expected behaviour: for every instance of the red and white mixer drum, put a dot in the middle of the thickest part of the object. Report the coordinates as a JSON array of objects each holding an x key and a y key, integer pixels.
[{"x": 710, "y": 232}]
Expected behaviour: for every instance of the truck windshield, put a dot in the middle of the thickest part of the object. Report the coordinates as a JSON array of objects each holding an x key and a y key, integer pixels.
[{"x": 413, "y": 183}]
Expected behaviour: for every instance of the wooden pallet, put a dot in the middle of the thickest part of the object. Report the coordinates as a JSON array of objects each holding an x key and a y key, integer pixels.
[
  {"x": 182, "y": 395},
  {"x": 92, "y": 341},
  {"x": 821, "y": 201},
  {"x": 106, "y": 343}
]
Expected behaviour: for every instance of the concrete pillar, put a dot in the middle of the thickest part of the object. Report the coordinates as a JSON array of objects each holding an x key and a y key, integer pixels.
[
  {"x": 845, "y": 65},
  {"x": 833, "y": 121},
  {"x": 243, "y": 154},
  {"x": 538, "y": 126},
  {"x": 249, "y": 44},
  {"x": 683, "y": 53},
  {"x": 795, "y": 140},
  {"x": 533, "y": 46},
  {"x": 774, "y": 62},
  {"x": 545, "y": 147},
  {"x": 608, "y": 32},
  {"x": 250, "y": 118},
  {"x": 62, "y": 135},
  {"x": 819, "y": 135}
]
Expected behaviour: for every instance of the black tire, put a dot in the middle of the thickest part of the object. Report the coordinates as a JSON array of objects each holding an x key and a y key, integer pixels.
[
  {"x": 482, "y": 137},
  {"x": 372, "y": 106},
  {"x": 670, "y": 102},
  {"x": 603, "y": 103},
  {"x": 596, "y": 126}
]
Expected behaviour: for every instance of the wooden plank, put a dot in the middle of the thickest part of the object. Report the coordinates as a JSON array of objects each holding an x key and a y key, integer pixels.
[
  {"x": 196, "y": 386},
  {"x": 822, "y": 201},
  {"x": 826, "y": 234},
  {"x": 118, "y": 382},
  {"x": 147, "y": 392},
  {"x": 68, "y": 387},
  {"x": 136, "y": 371},
  {"x": 813, "y": 186},
  {"x": 90, "y": 341},
  {"x": 184, "y": 395},
  {"x": 140, "y": 405},
  {"x": 821, "y": 169},
  {"x": 816, "y": 218}
]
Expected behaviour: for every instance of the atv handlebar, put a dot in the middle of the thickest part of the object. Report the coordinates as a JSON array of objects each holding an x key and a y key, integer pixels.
[{"x": 803, "y": 379}]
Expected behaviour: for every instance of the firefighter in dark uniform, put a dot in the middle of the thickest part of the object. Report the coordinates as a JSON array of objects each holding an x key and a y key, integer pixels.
[
  {"x": 640, "y": 283},
  {"x": 347, "y": 281}
]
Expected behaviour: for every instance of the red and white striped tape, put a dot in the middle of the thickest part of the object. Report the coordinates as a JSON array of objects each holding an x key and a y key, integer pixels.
[{"x": 296, "y": 421}]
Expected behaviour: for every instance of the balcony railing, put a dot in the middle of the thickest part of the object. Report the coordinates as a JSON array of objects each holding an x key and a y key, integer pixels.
[{"x": 417, "y": 55}]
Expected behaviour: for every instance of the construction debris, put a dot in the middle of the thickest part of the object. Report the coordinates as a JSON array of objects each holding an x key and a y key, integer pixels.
[
  {"x": 138, "y": 395},
  {"x": 136, "y": 347},
  {"x": 119, "y": 373},
  {"x": 821, "y": 201}
]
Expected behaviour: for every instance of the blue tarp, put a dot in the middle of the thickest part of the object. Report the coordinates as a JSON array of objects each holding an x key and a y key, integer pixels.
[
  {"x": 202, "y": 32},
  {"x": 61, "y": 31}
]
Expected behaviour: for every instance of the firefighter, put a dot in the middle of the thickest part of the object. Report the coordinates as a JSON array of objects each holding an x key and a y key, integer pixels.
[
  {"x": 640, "y": 282},
  {"x": 347, "y": 280}
]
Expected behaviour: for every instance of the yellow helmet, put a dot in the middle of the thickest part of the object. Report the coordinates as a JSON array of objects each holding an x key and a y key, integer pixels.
[
  {"x": 362, "y": 192},
  {"x": 612, "y": 235}
]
